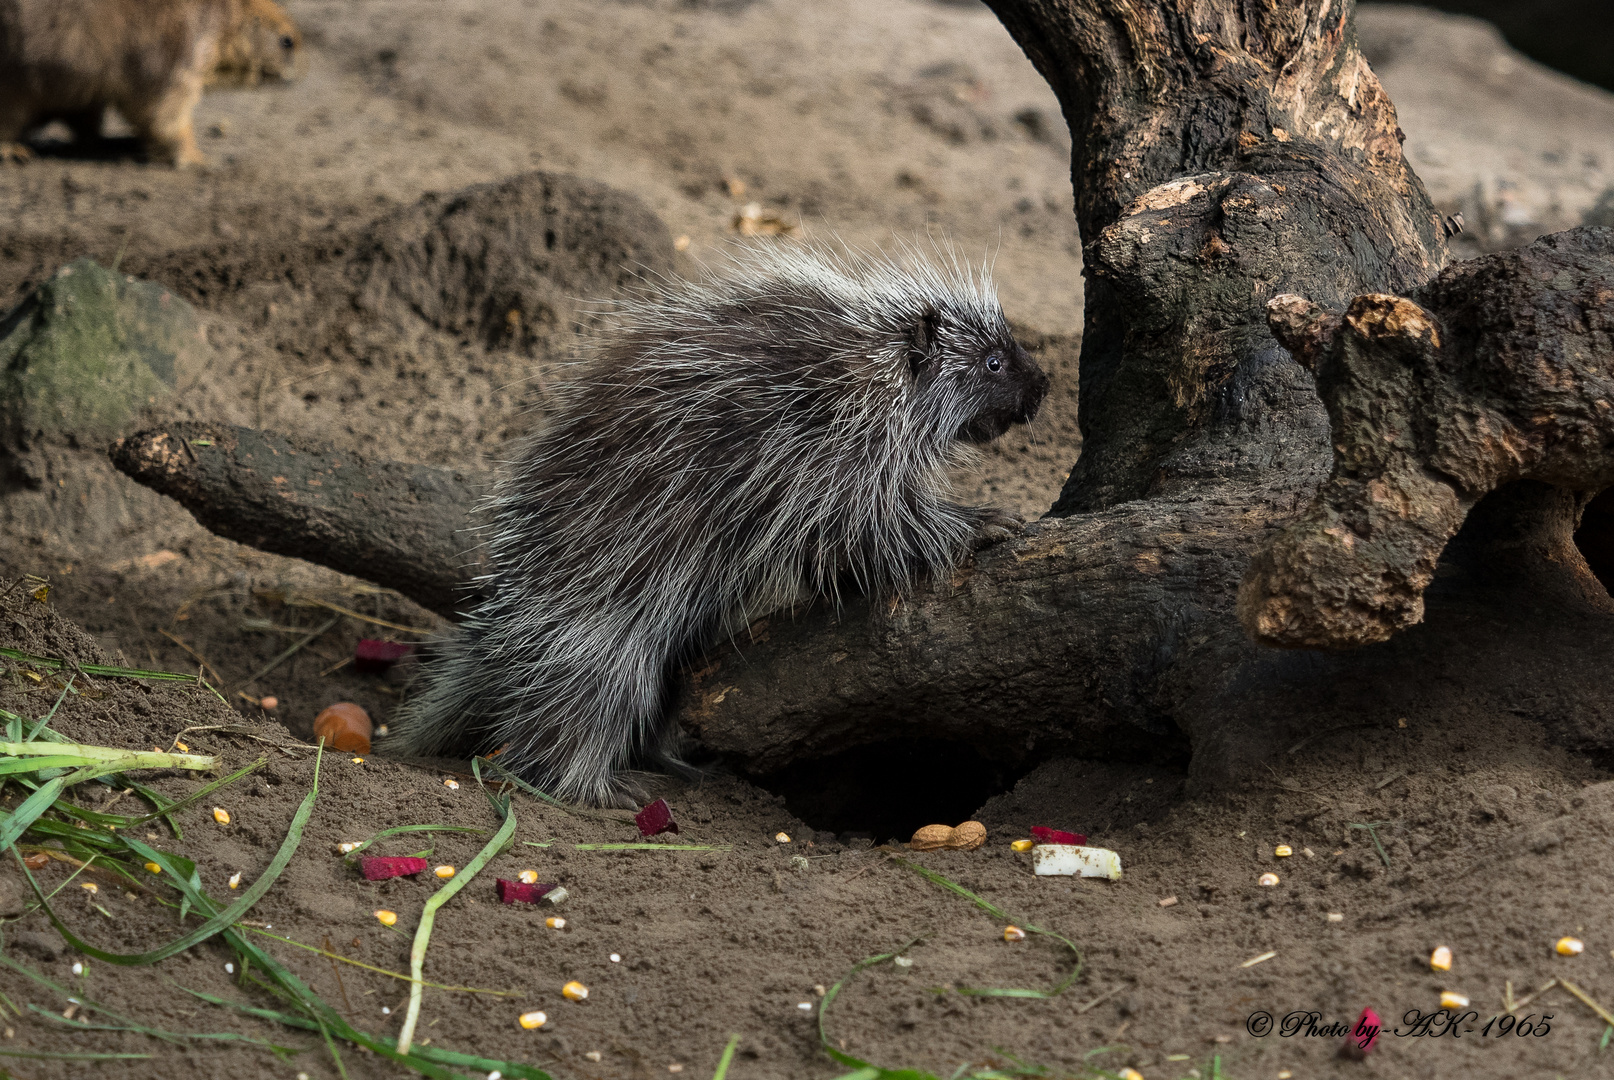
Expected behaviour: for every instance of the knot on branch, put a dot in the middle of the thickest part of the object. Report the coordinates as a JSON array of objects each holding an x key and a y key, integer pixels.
[{"x": 1500, "y": 369}]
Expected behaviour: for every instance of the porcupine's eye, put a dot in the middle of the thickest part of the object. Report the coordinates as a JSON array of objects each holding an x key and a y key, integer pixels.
[
  {"x": 994, "y": 363},
  {"x": 287, "y": 43}
]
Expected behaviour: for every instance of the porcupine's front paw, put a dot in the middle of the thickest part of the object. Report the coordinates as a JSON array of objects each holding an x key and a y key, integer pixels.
[{"x": 993, "y": 525}]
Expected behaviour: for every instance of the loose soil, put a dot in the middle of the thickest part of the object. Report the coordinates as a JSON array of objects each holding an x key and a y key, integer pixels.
[{"x": 871, "y": 122}]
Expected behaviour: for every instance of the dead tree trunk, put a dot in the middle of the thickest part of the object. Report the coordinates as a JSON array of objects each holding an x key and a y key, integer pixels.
[{"x": 1241, "y": 193}]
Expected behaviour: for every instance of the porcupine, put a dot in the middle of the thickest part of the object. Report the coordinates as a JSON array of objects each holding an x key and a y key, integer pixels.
[{"x": 734, "y": 444}]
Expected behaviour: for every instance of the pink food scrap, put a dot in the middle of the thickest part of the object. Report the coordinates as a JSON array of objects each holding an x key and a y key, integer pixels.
[
  {"x": 372, "y": 655},
  {"x": 511, "y": 892},
  {"x": 1044, "y": 835},
  {"x": 656, "y": 818},
  {"x": 382, "y": 867}
]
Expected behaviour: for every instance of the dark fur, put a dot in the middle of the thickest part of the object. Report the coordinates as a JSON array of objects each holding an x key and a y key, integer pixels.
[{"x": 736, "y": 445}]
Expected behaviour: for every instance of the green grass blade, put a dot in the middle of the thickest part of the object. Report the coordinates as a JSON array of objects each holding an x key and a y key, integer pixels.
[
  {"x": 833, "y": 992},
  {"x": 29, "y": 765},
  {"x": 28, "y": 972},
  {"x": 45, "y": 1055},
  {"x": 400, "y": 976},
  {"x": 511, "y": 1069},
  {"x": 178, "y": 1037},
  {"x": 728, "y": 1056},
  {"x": 423, "y": 932},
  {"x": 97, "y": 669},
  {"x": 123, "y": 759},
  {"x": 180, "y": 875},
  {"x": 997, "y": 912},
  {"x": 163, "y": 804},
  {"x": 48, "y": 717},
  {"x": 509, "y": 777},
  {"x": 198, "y": 795},
  {"x": 35, "y": 805}
]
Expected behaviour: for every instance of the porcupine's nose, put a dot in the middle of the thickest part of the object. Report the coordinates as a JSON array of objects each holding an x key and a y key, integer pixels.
[{"x": 1031, "y": 400}]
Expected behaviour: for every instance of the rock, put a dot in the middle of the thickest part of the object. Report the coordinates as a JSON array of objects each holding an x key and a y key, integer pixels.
[{"x": 85, "y": 352}]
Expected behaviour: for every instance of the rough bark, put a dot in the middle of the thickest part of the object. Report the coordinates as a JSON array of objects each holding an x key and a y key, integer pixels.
[
  {"x": 1227, "y": 154},
  {"x": 402, "y": 526},
  {"x": 1222, "y": 152},
  {"x": 1499, "y": 370}
]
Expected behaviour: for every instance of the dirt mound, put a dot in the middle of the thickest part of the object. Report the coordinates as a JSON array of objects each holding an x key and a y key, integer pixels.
[{"x": 511, "y": 262}]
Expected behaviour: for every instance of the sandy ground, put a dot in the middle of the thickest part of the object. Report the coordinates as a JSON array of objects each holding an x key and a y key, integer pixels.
[{"x": 873, "y": 122}]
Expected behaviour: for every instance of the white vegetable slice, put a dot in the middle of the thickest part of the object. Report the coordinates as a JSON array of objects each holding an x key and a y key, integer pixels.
[{"x": 1069, "y": 860}]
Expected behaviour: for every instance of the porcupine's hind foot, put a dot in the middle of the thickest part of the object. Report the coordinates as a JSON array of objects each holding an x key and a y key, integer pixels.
[{"x": 993, "y": 525}]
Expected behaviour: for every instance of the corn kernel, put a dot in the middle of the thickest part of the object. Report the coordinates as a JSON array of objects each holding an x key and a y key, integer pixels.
[
  {"x": 528, "y": 877},
  {"x": 1283, "y": 851},
  {"x": 90, "y": 887},
  {"x": 1568, "y": 946},
  {"x": 221, "y": 815},
  {"x": 235, "y": 880},
  {"x": 574, "y": 991},
  {"x": 344, "y": 848},
  {"x": 1267, "y": 880},
  {"x": 452, "y": 785},
  {"x": 555, "y": 922},
  {"x": 183, "y": 749},
  {"x": 358, "y": 761},
  {"x": 594, "y": 1055},
  {"x": 444, "y": 871},
  {"x": 1131, "y": 1074},
  {"x": 386, "y": 917},
  {"x": 154, "y": 868},
  {"x": 1450, "y": 999},
  {"x": 1336, "y": 916},
  {"x": 1440, "y": 959},
  {"x": 1013, "y": 933},
  {"x": 782, "y": 837},
  {"x": 1020, "y": 845},
  {"x": 532, "y": 1020}
]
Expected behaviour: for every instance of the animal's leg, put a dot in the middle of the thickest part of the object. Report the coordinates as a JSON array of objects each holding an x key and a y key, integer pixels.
[
  {"x": 166, "y": 126},
  {"x": 14, "y": 123}
]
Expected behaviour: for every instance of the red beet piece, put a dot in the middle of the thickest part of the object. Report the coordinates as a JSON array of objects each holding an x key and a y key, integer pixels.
[
  {"x": 1363, "y": 1034},
  {"x": 382, "y": 867},
  {"x": 512, "y": 891},
  {"x": 1042, "y": 834},
  {"x": 373, "y": 655},
  {"x": 656, "y": 818}
]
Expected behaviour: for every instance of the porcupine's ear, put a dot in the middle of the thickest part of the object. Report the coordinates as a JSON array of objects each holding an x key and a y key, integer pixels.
[{"x": 922, "y": 342}]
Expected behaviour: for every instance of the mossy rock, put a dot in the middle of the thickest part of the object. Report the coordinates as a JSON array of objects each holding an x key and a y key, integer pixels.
[{"x": 86, "y": 351}]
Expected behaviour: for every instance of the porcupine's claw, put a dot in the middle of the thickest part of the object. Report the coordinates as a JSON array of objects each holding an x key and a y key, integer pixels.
[{"x": 993, "y": 525}]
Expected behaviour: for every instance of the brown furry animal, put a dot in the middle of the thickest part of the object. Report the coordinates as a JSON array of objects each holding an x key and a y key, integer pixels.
[{"x": 69, "y": 59}]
